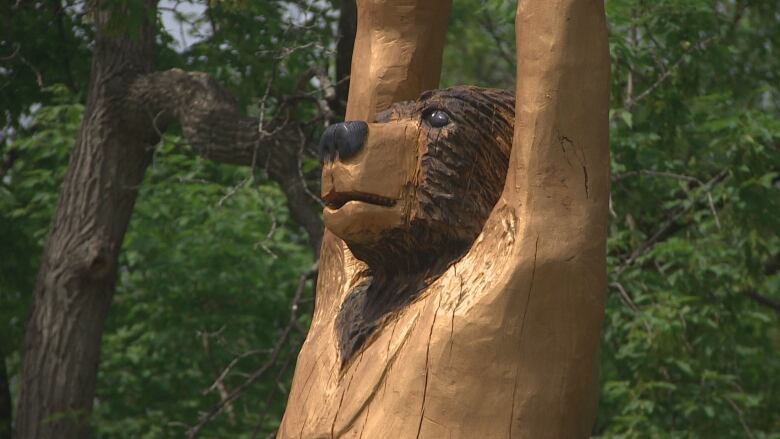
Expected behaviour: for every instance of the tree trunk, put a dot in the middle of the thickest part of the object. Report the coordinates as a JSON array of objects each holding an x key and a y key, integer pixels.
[
  {"x": 344, "y": 48},
  {"x": 127, "y": 107},
  {"x": 78, "y": 271},
  {"x": 5, "y": 400},
  {"x": 215, "y": 128}
]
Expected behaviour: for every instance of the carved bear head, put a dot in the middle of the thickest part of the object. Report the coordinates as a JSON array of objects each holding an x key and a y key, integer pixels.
[
  {"x": 409, "y": 194},
  {"x": 416, "y": 185}
]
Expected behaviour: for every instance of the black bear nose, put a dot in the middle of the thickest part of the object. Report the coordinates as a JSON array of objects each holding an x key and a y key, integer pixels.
[{"x": 344, "y": 139}]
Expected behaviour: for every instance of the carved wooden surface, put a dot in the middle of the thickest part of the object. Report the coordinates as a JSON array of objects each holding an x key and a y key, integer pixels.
[{"x": 504, "y": 341}]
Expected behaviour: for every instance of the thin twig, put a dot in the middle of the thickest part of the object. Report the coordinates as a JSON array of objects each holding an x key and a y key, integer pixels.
[
  {"x": 713, "y": 210},
  {"x": 220, "y": 385},
  {"x": 489, "y": 26},
  {"x": 617, "y": 177},
  {"x": 13, "y": 54},
  {"x": 38, "y": 76},
  {"x": 626, "y": 298},
  {"x": 624, "y": 295},
  {"x": 741, "y": 418},
  {"x": 269, "y": 397},
  {"x": 274, "y": 224},
  {"x": 662, "y": 231},
  {"x": 764, "y": 301},
  {"x": 281, "y": 341},
  {"x": 232, "y": 191},
  {"x": 305, "y": 187}
]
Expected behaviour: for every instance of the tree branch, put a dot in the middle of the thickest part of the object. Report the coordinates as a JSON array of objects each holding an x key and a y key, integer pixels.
[
  {"x": 669, "y": 226},
  {"x": 344, "y": 47},
  {"x": 236, "y": 393},
  {"x": 699, "y": 46},
  {"x": 8, "y": 161},
  {"x": 506, "y": 53},
  {"x": 216, "y": 129},
  {"x": 763, "y": 300},
  {"x": 5, "y": 400}
]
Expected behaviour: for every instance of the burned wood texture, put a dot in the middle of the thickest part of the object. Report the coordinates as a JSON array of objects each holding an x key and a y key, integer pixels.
[
  {"x": 499, "y": 337},
  {"x": 459, "y": 163}
]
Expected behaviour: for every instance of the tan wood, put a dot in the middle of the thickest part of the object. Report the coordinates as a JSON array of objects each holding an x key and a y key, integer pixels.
[
  {"x": 504, "y": 343},
  {"x": 397, "y": 55}
]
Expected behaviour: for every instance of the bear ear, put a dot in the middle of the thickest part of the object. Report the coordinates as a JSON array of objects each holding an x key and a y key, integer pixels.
[{"x": 426, "y": 95}]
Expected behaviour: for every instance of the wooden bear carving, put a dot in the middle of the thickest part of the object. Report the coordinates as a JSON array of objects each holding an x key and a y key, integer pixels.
[
  {"x": 409, "y": 198},
  {"x": 462, "y": 273}
]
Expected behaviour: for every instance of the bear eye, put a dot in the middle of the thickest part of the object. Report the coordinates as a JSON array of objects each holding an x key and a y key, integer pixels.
[{"x": 437, "y": 118}]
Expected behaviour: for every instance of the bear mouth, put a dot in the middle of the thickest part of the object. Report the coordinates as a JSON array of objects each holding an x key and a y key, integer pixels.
[{"x": 337, "y": 200}]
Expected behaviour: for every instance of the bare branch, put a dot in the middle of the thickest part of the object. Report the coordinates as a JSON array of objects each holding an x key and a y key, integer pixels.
[
  {"x": 8, "y": 161},
  {"x": 38, "y": 75},
  {"x": 617, "y": 177},
  {"x": 699, "y": 46},
  {"x": 13, "y": 54},
  {"x": 506, "y": 53},
  {"x": 764, "y": 301},
  {"x": 219, "y": 384},
  {"x": 6, "y": 410},
  {"x": 626, "y": 298},
  {"x": 741, "y": 417},
  {"x": 669, "y": 225},
  {"x": 347, "y": 29},
  {"x": 257, "y": 374},
  {"x": 216, "y": 129}
]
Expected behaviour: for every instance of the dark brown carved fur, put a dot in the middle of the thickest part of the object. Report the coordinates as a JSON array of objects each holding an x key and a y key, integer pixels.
[{"x": 462, "y": 171}]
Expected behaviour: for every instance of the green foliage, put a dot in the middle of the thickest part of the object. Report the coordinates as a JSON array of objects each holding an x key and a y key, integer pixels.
[
  {"x": 695, "y": 135},
  {"x": 211, "y": 259},
  {"x": 260, "y": 49},
  {"x": 690, "y": 339},
  {"x": 480, "y": 46},
  {"x": 207, "y": 273},
  {"x": 28, "y": 197},
  {"x": 208, "y": 270},
  {"x": 41, "y": 44}
]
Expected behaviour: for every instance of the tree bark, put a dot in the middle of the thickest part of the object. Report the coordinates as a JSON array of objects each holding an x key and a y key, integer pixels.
[
  {"x": 213, "y": 125},
  {"x": 127, "y": 109},
  {"x": 77, "y": 276},
  {"x": 5, "y": 400},
  {"x": 344, "y": 48}
]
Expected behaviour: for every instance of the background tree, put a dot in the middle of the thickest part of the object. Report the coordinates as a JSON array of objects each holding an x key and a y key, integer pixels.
[
  {"x": 127, "y": 107},
  {"x": 213, "y": 257}
]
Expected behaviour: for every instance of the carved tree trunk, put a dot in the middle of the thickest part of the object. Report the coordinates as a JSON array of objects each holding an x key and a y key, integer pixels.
[
  {"x": 126, "y": 107},
  {"x": 505, "y": 342}
]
